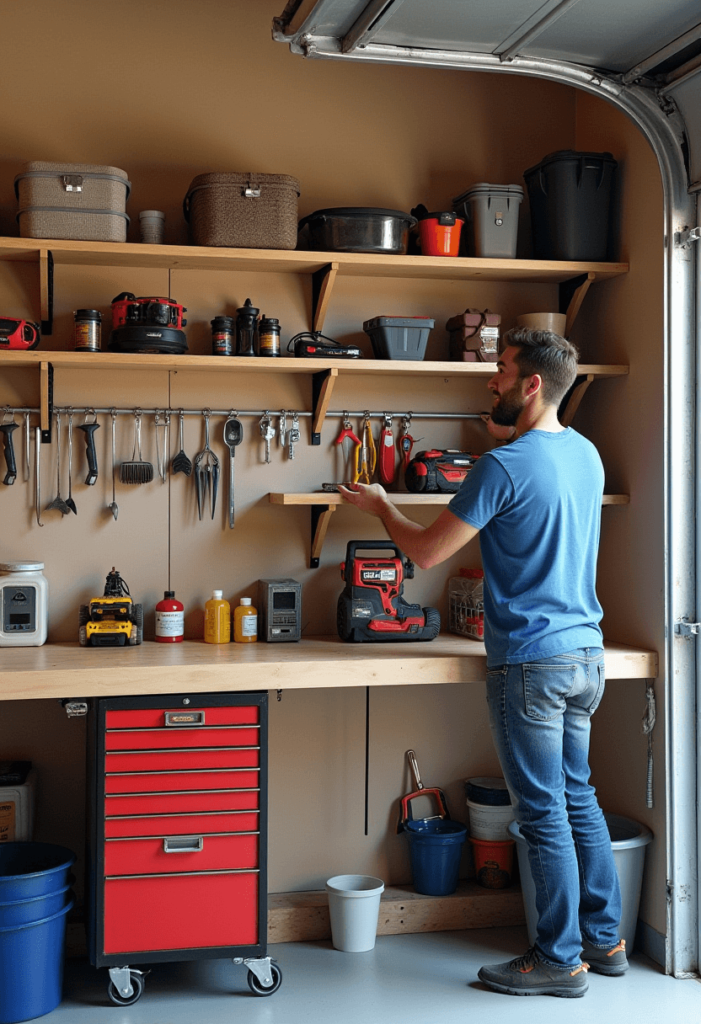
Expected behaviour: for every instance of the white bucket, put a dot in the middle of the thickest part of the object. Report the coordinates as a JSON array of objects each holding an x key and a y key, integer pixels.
[
  {"x": 490, "y": 822},
  {"x": 354, "y": 908}
]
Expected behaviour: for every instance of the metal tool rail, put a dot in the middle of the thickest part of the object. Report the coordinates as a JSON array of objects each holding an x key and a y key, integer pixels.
[{"x": 257, "y": 413}]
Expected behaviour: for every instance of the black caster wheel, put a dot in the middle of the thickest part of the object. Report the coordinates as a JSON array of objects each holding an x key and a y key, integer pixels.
[
  {"x": 260, "y": 990},
  {"x": 137, "y": 983}
]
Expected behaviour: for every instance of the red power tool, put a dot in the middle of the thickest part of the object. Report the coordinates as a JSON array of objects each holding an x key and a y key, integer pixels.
[{"x": 371, "y": 607}]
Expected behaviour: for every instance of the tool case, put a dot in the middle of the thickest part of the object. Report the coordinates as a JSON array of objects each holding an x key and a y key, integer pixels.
[
  {"x": 474, "y": 336},
  {"x": 177, "y": 835},
  {"x": 84, "y": 202},
  {"x": 438, "y": 471},
  {"x": 243, "y": 210}
]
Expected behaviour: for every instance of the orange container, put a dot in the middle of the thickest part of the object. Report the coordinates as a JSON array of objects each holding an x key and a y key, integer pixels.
[
  {"x": 440, "y": 234},
  {"x": 494, "y": 862}
]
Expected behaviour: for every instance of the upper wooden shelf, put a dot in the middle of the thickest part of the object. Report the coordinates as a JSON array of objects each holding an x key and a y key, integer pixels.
[
  {"x": 284, "y": 364},
  {"x": 67, "y": 670},
  {"x": 191, "y": 257}
]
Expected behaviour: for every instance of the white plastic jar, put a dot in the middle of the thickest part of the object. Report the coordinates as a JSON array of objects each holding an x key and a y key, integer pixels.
[{"x": 24, "y": 604}]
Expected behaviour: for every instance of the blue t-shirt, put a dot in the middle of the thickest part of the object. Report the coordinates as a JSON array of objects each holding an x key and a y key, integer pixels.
[{"x": 537, "y": 505}]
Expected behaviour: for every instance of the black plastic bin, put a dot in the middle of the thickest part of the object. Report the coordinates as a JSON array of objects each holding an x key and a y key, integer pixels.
[{"x": 570, "y": 195}]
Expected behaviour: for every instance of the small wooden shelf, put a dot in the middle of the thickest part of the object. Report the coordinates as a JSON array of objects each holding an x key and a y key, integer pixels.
[
  {"x": 324, "y": 503},
  {"x": 68, "y": 670}
]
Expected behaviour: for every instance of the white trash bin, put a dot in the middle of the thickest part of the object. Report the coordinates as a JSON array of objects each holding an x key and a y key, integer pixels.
[
  {"x": 628, "y": 841},
  {"x": 354, "y": 908}
]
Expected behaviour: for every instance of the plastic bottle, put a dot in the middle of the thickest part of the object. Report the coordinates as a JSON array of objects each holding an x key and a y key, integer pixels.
[
  {"x": 245, "y": 622},
  {"x": 217, "y": 620},
  {"x": 170, "y": 619}
]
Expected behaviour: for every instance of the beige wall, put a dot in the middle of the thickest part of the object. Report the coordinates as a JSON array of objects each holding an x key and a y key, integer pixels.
[{"x": 192, "y": 89}]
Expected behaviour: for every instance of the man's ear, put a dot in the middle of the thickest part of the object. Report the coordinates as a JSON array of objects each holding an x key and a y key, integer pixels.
[{"x": 535, "y": 383}]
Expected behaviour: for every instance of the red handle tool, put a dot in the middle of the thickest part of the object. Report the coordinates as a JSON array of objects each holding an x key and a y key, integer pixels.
[
  {"x": 387, "y": 453},
  {"x": 405, "y": 442},
  {"x": 347, "y": 433}
]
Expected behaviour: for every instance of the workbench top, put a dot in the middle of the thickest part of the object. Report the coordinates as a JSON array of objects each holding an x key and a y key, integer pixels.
[{"x": 68, "y": 670}]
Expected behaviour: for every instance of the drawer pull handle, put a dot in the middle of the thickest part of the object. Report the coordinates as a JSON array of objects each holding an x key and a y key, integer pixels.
[
  {"x": 181, "y": 718},
  {"x": 183, "y": 844}
]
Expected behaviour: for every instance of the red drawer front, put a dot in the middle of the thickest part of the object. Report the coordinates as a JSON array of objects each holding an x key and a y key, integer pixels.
[
  {"x": 168, "y": 781},
  {"x": 174, "y": 803},
  {"x": 182, "y": 825},
  {"x": 147, "y": 856},
  {"x": 180, "y": 912},
  {"x": 181, "y": 760},
  {"x": 177, "y": 739},
  {"x": 154, "y": 718}
]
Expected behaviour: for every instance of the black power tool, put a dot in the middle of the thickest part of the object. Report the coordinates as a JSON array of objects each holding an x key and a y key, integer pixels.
[{"x": 371, "y": 607}]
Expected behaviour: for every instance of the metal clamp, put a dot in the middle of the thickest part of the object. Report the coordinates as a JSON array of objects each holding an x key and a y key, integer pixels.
[
  {"x": 685, "y": 238},
  {"x": 685, "y": 628},
  {"x": 72, "y": 182},
  {"x": 250, "y": 192}
]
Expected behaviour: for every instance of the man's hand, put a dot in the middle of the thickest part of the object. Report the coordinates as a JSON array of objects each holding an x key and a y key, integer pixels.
[
  {"x": 498, "y": 432},
  {"x": 370, "y": 498}
]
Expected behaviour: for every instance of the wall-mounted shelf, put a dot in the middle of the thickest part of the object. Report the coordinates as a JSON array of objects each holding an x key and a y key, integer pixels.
[
  {"x": 324, "y": 267},
  {"x": 324, "y": 503}
]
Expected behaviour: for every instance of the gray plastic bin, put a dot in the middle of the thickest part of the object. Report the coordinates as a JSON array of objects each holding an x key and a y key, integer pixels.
[
  {"x": 491, "y": 219},
  {"x": 628, "y": 840},
  {"x": 399, "y": 337}
]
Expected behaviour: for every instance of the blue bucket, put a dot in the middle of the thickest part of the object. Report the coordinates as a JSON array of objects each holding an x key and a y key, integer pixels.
[
  {"x": 435, "y": 846},
  {"x": 25, "y": 911},
  {"x": 32, "y": 869},
  {"x": 31, "y": 967}
]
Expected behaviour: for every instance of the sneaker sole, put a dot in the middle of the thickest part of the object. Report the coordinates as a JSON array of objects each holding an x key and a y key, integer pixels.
[
  {"x": 610, "y": 970},
  {"x": 563, "y": 992}
]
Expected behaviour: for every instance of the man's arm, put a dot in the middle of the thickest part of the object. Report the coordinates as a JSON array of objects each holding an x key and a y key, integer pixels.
[{"x": 425, "y": 545}]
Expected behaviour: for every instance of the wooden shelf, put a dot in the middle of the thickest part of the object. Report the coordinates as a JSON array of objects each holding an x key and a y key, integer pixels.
[
  {"x": 68, "y": 670},
  {"x": 323, "y": 504}
]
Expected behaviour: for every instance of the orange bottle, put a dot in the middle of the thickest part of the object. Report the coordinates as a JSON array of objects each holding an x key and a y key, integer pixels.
[
  {"x": 245, "y": 622},
  {"x": 217, "y": 620}
]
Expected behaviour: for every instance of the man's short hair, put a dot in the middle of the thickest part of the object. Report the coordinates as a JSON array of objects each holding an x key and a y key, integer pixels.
[{"x": 553, "y": 358}]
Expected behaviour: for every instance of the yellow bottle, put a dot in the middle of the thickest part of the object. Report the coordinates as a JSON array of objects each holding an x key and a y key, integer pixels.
[
  {"x": 217, "y": 620},
  {"x": 245, "y": 622}
]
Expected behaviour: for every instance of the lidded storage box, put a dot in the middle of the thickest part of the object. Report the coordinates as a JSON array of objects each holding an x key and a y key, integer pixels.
[
  {"x": 399, "y": 337},
  {"x": 84, "y": 202},
  {"x": 243, "y": 210},
  {"x": 491, "y": 219}
]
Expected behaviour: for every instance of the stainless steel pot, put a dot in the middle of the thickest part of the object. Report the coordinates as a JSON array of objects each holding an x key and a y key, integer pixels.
[{"x": 357, "y": 229}]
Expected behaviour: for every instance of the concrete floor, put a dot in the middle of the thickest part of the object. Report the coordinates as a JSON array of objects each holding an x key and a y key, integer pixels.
[{"x": 427, "y": 979}]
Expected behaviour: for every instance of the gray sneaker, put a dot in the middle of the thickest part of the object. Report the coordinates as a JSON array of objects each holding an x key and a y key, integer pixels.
[
  {"x": 528, "y": 975},
  {"x": 606, "y": 961}
]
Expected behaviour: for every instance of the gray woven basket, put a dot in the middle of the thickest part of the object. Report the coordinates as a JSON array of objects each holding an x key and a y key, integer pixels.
[
  {"x": 78, "y": 201},
  {"x": 243, "y": 210}
]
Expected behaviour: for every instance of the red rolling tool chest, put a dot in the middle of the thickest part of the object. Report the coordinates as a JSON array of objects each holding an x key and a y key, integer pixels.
[{"x": 177, "y": 823}]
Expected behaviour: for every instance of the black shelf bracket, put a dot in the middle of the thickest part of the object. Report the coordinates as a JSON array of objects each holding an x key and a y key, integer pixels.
[
  {"x": 46, "y": 401},
  {"x": 321, "y": 517},
  {"x": 47, "y": 292}
]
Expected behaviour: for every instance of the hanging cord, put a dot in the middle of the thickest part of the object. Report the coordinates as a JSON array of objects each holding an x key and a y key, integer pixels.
[{"x": 648, "y": 725}]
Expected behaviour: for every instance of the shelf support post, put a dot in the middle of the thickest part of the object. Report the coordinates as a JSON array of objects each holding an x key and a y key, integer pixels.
[
  {"x": 46, "y": 290},
  {"x": 572, "y": 295},
  {"x": 46, "y": 400},
  {"x": 322, "y": 284},
  {"x": 321, "y": 517},
  {"x": 574, "y": 399},
  {"x": 322, "y": 389}
]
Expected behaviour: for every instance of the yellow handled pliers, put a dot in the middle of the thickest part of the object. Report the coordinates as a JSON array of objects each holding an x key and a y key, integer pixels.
[{"x": 365, "y": 454}]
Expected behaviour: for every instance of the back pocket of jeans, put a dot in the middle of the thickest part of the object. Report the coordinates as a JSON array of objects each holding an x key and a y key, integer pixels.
[
  {"x": 546, "y": 688},
  {"x": 599, "y": 674}
]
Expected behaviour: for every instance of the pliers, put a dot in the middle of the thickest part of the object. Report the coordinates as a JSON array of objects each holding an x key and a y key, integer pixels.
[
  {"x": 347, "y": 432},
  {"x": 365, "y": 454}
]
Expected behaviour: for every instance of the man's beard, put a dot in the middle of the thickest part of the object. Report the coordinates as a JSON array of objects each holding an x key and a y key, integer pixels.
[{"x": 508, "y": 407}]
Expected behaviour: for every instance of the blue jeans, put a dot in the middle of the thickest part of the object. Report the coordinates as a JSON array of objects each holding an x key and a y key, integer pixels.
[{"x": 540, "y": 715}]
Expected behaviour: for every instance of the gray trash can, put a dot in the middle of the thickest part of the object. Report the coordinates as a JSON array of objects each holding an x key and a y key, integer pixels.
[{"x": 628, "y": 840}]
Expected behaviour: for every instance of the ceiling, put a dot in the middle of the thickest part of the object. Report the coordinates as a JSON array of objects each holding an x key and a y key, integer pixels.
[{"x": 653, "y": 44}]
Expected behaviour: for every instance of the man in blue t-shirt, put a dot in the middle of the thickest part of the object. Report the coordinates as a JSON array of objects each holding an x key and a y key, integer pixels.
[{"x": 536, "y": 505}]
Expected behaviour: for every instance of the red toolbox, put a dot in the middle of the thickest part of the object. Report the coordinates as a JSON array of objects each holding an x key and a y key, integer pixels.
[{"x": 177, "y": 835}]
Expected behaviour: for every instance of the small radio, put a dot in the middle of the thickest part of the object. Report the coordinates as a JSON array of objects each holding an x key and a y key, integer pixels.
[{"x": 279, "y": 610}]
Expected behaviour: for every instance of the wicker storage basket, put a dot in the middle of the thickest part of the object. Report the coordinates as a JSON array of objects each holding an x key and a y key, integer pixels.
[
  {"x": 243, "y": 210},
  {"x": 85, "y": 202}
]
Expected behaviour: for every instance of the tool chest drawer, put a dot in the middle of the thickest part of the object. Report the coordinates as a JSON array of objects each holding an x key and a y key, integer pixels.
[
  {"x": 179, "y": 803},
  {"x": 179, "y": 760},
  {"x": 162, "y": 856},
  {"x": 155, "y": 718},
  {"x": 181, "y": 824},
  {"x": 167, "y": 782},
  {"x": 177, "y": 828},
  {"x": 166, "y": 739},
  {"x": 163, "y": 912}
]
